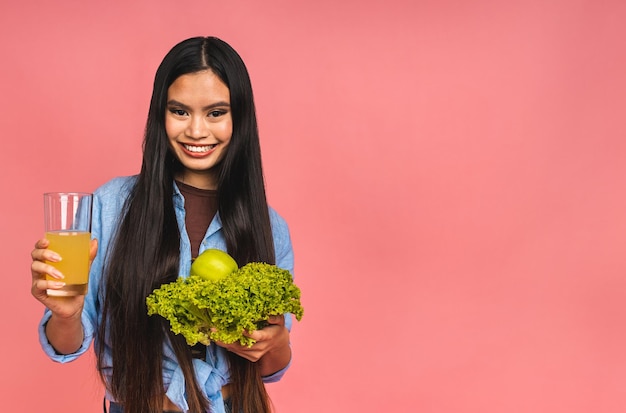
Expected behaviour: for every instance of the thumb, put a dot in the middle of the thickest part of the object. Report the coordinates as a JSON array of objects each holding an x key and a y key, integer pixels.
[{"x": 93, "y": 249}]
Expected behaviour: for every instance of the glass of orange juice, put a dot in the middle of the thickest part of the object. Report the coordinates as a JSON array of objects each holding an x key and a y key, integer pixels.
[{"x": 67, "y": 217}]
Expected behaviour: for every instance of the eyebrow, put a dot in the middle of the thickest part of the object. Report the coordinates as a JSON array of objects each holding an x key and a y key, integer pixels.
[{"x": 176, "y": 103}]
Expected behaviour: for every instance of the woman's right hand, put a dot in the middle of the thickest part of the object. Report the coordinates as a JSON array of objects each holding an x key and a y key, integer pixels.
[
  {"x": 64, "y": 329},
  {"x": 63, "y": 307}
]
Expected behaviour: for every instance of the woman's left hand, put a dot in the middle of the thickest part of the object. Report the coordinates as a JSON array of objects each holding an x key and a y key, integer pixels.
[{"x": 271, "y": 349}]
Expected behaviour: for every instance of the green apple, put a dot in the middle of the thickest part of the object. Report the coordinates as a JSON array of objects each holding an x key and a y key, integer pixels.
[{"x": 213, "y": 264}]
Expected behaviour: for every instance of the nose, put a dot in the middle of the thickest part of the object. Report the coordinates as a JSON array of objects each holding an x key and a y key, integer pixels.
[{"x": 197, "y": 127}]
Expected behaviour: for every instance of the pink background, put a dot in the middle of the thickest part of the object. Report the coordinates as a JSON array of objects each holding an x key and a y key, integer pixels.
[{"x": 453, "y": 173}]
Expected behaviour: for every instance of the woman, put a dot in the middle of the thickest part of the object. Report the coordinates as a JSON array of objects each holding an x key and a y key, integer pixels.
[{"x": 200, "y": 186}]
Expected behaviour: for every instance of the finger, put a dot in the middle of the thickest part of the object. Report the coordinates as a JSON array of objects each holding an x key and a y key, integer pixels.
[
  {"x": 266, "y": 333},
  {"x": 251, "y": 334},
  {"x": 93, "y": 249},
  {"x": 39, "y": 270},
  {"x": 45, "y": 255},
  {"x": 40, "y": 288},
  {"x": 276, "y": 320},
  {"x": 42, "y": 243},
  {"x": 252, "y": 353},
  {"x": 42, "y": 253},
  {"x": 44, "y": 285}
]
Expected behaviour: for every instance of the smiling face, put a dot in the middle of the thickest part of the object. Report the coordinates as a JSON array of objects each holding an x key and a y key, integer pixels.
[{"x": 199, "y": 126}]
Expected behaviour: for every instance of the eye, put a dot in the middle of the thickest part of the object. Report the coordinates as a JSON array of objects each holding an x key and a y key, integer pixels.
[
  {"x": 216, "y": 113},
  {"x": 178, "y": 112}
]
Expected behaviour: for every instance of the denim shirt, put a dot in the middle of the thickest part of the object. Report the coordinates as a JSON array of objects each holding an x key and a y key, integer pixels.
[{"x": 213, "y": 372}]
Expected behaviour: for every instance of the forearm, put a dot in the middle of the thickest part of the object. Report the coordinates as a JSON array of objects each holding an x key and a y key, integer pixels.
[
  {"x": 65, "y": 334},
  {"x": 274, "y": 360}
]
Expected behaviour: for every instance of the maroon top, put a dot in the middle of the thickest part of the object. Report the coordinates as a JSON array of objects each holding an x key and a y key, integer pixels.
[{"x": 200, "y": 208}]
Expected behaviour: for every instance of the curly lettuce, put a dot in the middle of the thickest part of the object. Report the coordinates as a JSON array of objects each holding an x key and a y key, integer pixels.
[{"x": 203, "y": 310}]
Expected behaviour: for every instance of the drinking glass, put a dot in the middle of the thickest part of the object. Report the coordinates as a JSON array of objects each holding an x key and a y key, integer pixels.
[{"x": 67, "y": 217}]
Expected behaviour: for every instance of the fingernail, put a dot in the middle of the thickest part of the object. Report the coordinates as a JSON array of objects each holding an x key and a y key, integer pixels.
[
  {"x": 55, "y": 257},
  {"x": 56, "y": 274},
  {"x": 56, "y": 284}
]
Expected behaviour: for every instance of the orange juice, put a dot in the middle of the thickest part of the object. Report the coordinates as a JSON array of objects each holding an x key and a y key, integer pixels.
[{"x": 73, "y": 247}]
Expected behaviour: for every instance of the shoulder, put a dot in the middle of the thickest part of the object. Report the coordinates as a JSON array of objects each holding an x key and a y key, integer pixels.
[
  {"x": 279, "y": 224},
  {"x": 116, "y": 187},
  {"x": 282, "y": 241},
  {"x": 109, "y": 199}
]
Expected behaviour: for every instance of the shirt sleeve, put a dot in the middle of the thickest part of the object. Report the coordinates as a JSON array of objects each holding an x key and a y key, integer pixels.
[
  {"x": 273, "y": 378},
  {"x": 51, "y": 352},
  {"x": 284, "y": 260}
]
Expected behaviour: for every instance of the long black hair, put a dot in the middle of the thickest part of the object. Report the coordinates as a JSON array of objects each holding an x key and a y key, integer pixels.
[{"x": 146, "y": 250}]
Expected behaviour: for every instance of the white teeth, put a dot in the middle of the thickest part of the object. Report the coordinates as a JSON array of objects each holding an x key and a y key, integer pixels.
[{"x": 198, "y": 149}]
